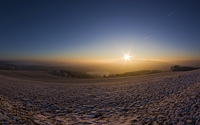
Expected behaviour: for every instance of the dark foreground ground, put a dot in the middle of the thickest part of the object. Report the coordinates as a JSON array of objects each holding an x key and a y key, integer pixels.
[{"x": 39, "y": 98}]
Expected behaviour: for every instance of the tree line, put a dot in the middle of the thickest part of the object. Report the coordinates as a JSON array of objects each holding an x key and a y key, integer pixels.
[{"x": 10, "y": 67}]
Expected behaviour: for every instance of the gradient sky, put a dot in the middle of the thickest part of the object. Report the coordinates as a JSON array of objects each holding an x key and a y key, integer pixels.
[{"x": 99, "y": 30}]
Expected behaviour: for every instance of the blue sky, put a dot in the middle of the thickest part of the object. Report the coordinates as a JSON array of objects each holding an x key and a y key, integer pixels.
[{"x": 68, "y": 30}]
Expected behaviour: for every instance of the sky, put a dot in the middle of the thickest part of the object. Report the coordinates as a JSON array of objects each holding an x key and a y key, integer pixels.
[{"x": 99, "y": 30}]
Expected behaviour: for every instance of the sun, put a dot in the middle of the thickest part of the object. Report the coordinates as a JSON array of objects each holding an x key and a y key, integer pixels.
[{"x": 127, "y": 57}]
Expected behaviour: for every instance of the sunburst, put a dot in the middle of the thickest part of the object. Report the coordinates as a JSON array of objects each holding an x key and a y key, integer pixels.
[{"x": 127, "y": 57}]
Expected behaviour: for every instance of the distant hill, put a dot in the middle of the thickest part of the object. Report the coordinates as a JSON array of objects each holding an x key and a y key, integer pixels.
[{"x": 112, "y": 67}]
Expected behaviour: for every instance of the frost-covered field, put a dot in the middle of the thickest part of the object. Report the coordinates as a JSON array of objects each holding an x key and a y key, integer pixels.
[{"x": 166, "y": 98}]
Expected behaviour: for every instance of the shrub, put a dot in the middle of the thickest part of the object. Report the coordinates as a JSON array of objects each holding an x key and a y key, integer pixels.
[
  {"x": 176, "y": 68},
  {"x": 155, "y": 71},
  {"x": 75, "y": 74}
]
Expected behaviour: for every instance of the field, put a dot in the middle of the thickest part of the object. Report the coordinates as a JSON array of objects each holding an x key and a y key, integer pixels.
[{"x": 39, "y": 98}]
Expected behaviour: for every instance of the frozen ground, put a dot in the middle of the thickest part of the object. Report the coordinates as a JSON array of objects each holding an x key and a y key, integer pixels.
[{"x": 165, "y": 98}]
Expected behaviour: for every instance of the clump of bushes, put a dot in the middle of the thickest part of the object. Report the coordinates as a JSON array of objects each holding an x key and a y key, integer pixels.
[
  {"x": 183, "y": 68},
  {"x": 155, "y": 71},
  {"x": 136, "y": 73},
  {"x": 74, "y": 74},
  {"x": 82, "y": 75},
  {"x": 54, "y": 72},
  {"x": 10, "y": 67}
]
